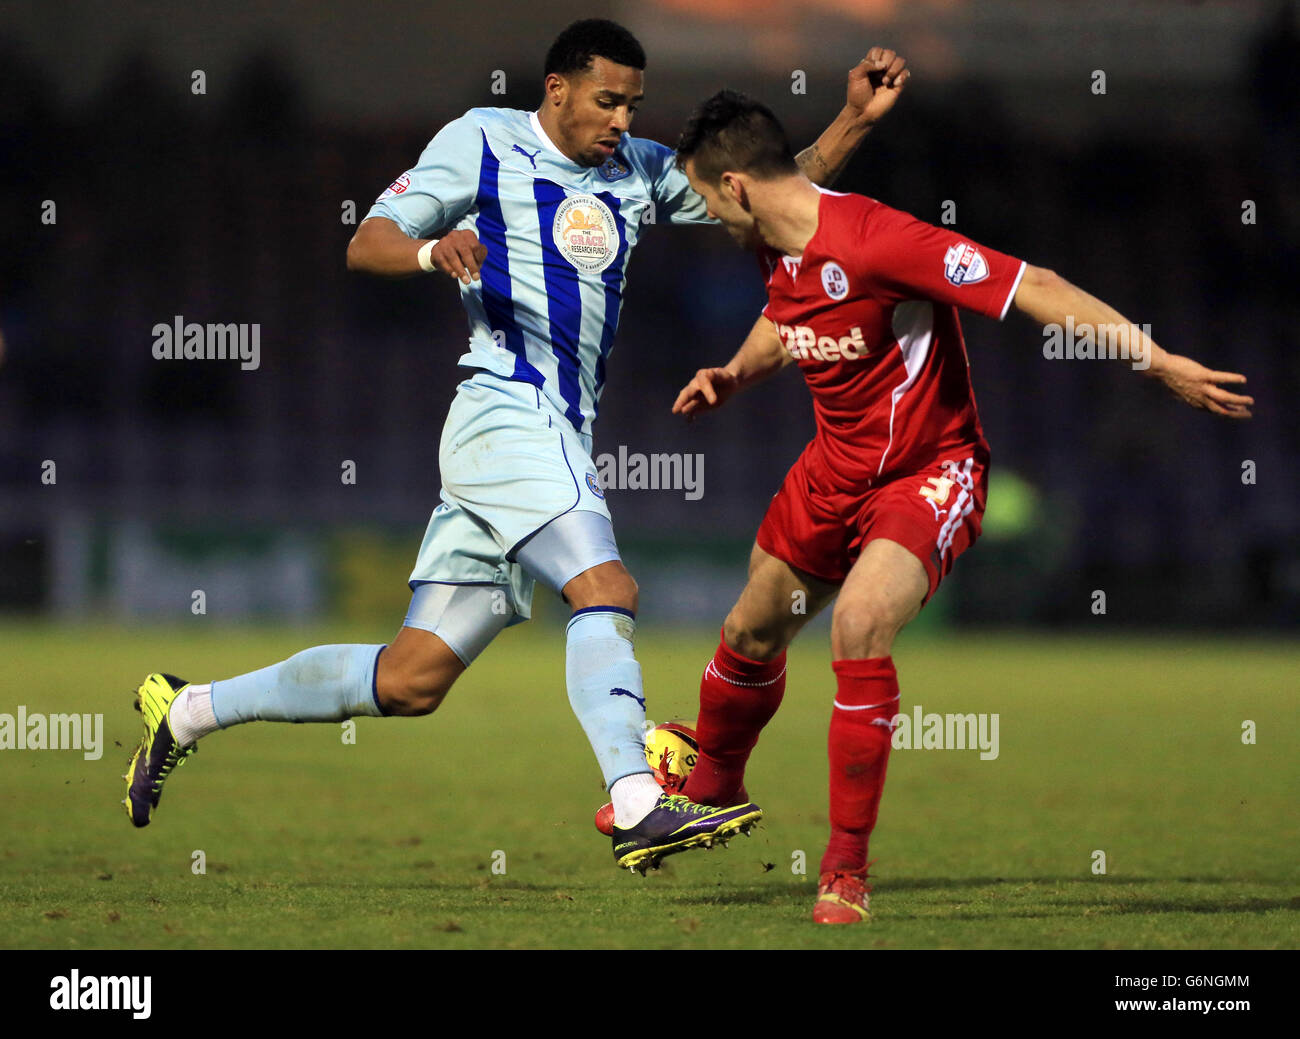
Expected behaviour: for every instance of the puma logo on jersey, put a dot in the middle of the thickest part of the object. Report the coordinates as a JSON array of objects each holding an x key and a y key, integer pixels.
[
  {"x": 936, "y": 491},
  {"x": 806, "y": 345},
  {"x": 531, "y": 158}
]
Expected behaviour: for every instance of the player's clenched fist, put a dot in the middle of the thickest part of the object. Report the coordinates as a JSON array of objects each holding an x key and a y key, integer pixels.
[
  {"x": 875, "y": 83},
  {"x": 460, "y": 254},
  {"x": 709, "y": 389}
]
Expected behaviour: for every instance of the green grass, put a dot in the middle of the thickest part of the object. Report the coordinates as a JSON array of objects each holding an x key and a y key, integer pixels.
[{"x": 1131, "y": 747}]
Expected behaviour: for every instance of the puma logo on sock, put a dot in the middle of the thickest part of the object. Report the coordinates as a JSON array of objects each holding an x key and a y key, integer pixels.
[{"x": 628, "y": 692}]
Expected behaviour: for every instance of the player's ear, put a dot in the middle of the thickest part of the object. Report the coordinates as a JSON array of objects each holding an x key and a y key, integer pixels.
[
  {"x": 733, "y": 187},
  {"x": 556, "y": 88}
]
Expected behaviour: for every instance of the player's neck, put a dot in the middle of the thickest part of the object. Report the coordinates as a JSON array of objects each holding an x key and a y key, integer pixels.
[
  {"x": 790, "y": 208},
  {"x": 549, "y": 121}
]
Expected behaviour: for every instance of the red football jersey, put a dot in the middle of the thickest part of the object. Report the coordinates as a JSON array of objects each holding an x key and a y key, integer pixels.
[{"x": 869, "y": 311}]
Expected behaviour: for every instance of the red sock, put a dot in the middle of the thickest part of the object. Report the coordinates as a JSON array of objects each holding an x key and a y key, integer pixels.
[
  {"x": 738, "y": 696},
  {"x": 866, "y": 700}
]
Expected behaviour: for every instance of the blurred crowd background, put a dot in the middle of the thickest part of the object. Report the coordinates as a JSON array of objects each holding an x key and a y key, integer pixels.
[{"x": 232, "y": 205}]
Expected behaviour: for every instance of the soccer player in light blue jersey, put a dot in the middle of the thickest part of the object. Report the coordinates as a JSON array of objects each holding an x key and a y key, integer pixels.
[{"x": 536, "y": 215}]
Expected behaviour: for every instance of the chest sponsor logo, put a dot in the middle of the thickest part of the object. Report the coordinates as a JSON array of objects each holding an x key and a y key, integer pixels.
[
  {"x": 397, "y": 187},
  {"x": 834, "y": 280},
  {"x": 806, "y": 345},
  {"x": 585, "y": 233},
  {"x": 963, "y": 264}
]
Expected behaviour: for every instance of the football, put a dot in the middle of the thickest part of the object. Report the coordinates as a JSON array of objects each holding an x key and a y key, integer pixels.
[{"x": 671, "y": 750}]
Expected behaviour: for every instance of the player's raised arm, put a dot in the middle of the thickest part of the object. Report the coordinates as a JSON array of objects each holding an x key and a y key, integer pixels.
[
  {"x": 1051, "y": 300},
  {"x": 760, "y": 355},
  {"x": 381, "y": 247},
  {"x": 397, "y": 238},
  {"x": 873, "y": 87}
]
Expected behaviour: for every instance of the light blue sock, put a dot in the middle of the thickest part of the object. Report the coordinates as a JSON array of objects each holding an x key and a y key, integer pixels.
[
  {"x": 605, "y": 689},
  {"x": 324, "y": 684}
]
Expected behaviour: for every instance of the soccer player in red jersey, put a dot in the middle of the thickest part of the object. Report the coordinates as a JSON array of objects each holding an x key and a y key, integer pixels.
[{"x": 892, "y": 487}]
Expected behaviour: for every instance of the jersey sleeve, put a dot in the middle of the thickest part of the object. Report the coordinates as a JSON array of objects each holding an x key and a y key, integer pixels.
[
  {"x": 441, "y": 187},
  {"x": 907, "y": 258},
  {"x": 676, "y": 202}
]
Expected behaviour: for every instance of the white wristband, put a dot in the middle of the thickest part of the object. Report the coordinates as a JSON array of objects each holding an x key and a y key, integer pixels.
[{"x": 426, "y": 264}]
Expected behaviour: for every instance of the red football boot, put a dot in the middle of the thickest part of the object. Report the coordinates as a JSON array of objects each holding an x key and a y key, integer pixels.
[{"x": 842, "y": 898}]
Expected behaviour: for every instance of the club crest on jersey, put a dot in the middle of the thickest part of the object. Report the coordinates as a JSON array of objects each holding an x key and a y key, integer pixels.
[
  {"x": 585, "y": 233},
  {"x": 593, "y": 485},
  {"x": 614, "y": 169},
  {"x": 834, "y": 280},
  {"x": 963, "y": 264},
  {"x": 397, "y": 187}
]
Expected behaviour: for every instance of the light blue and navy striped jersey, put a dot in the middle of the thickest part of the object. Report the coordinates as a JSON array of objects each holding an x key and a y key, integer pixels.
[{"x": 558, "y": 239}]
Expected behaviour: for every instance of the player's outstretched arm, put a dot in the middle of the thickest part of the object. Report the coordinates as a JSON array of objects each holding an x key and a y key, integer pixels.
[
  {"x": 1049, "y": 299},
  {"x": 874, "y": 85},
  {"x": 761, "y": 354},
  {"x": 382, "y": 248}
]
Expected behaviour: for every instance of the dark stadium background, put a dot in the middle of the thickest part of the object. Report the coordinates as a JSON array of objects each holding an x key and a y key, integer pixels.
[{"x": 226, "y": 207}]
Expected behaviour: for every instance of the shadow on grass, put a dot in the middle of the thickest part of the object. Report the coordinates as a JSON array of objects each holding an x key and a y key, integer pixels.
[
  {"x": 1098, "y": 896},
  {"x": 941, "y": 883},
  {"x": 1080, "y": 911}
]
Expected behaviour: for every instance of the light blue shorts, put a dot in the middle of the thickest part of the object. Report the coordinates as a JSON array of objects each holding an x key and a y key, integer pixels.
[{"x": 510, "y": 464}]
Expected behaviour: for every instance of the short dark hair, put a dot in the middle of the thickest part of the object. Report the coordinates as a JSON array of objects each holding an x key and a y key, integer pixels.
[
  {"x": 590, "y": 38},
  {"x": 731, "y": 131}
]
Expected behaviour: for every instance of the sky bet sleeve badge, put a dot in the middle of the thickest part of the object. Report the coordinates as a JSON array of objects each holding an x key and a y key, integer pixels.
[{"x": 964, "y": 264}]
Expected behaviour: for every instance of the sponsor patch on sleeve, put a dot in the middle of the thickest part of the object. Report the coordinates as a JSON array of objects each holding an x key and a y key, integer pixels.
[
  {"x": 963, "y": 264},
  {"x": 397, "y": 187}
]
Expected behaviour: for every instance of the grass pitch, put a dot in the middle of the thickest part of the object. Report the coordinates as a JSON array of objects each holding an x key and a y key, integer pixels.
[{"x": 1132, "y": 748}]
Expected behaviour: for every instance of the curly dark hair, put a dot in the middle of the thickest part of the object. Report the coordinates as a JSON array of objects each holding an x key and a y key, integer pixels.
[{"x": 590, "y": 38}]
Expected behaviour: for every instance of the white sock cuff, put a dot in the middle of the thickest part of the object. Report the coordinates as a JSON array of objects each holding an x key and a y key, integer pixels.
[
  {"x": 596, "y": 622},
  {"x": 633, "y": 797},
  {"x": 191, "y": 715}
]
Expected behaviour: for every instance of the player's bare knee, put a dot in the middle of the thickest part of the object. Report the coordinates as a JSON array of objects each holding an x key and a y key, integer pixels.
[
  {"x": 608, "y": 584},
  {"x": 412, "y": 696},
  {"x": 626, "y": 592},
  {"x": 405, "y": 690},
  {"x": 613, "y": 589},
  {"x": 751, "y": 642},
  {"x": 862, "y": 631}
]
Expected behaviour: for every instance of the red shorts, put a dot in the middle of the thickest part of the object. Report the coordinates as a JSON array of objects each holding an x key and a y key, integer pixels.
[{"x": 818, "y": 525}]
